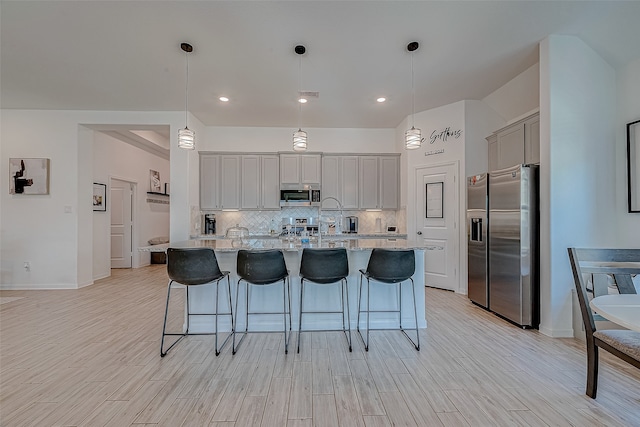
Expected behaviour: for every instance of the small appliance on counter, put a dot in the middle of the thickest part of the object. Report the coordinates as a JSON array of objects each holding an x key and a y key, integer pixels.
[
  {"x": 351, "y": 225},
  {"x": 208, "y": 224}
]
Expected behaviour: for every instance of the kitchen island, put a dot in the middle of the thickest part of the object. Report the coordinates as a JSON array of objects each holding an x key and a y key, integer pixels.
[{"x": 269, "y": 298}]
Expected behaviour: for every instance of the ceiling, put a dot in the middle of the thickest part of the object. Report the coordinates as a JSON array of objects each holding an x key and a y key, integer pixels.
[{"x": 125, "y": 55}]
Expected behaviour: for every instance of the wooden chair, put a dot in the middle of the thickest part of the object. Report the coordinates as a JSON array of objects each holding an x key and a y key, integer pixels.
[{"x": 599, "y": 264}]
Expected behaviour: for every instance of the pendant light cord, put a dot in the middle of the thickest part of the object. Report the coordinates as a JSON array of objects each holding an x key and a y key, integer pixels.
[
  {"x": 413, "y": 95},
  {"x": 299, "y": 89},
  {"x": 186, "y": 90}
]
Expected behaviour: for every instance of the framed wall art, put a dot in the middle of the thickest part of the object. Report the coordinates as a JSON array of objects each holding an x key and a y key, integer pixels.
[
  {"x": 99, "y": 197},
  {"x": 28, "y": 176},
  {"x": 633, "y": 166}
]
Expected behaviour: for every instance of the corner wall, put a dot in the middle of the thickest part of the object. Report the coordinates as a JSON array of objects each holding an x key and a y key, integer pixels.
[
  {"x": 577, "y": 164},
  {"x": 628, "y": 89},
  {"x": 54, "y": 232}
]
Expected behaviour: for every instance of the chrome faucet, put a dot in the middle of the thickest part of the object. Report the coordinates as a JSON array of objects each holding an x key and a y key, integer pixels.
[{"x": 320, "y": 217}]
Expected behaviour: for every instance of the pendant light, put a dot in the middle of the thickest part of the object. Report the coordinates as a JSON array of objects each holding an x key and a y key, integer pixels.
[
  {"x": 300, "y": 136},
  {"x": 186, "y": 137},
  {"x": 413, "y": 136}
]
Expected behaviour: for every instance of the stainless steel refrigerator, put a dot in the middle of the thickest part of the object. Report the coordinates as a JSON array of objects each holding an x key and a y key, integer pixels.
[
  {"x": 477, "y": 227},
  {"x": 513, "y": 244}
]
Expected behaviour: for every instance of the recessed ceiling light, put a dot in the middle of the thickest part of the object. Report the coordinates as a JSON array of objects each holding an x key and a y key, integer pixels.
[
  {"x": 381, "y": 99},
  {"x": 302, "y": 100},
  {"x": 224, "y": 99}
]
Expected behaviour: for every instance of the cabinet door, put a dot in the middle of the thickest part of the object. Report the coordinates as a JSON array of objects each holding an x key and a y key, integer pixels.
[
  {"x": 532, "y": 141},
  {"x": 511, "y": 146},
  {"x": 270, "y": 171},
  {"x": 250, "y": 182},
  {"x": 368, "y": 183},
  {"x": 493, "y": 152},
  {"x": 209, "y": 181},
  {"x": 230, "y": 182},
  {"x": 310, "y": 168},
  {"x": 349, "y": 182},
  {"x": 389, "y": 182},
  {"x": 330, "y": 181},
  {"x": 289, "y": 168}
]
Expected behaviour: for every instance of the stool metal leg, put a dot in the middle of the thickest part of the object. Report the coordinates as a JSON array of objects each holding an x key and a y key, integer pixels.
[
  {"x": 246, "y": 326},
  {"x": 344, "y": 293},
  {"x": 219, "y": 349},
  {"x": 415, "y": 314},
  {"x": 163, "y": 353},
  {"x": 300, "y": 315}
]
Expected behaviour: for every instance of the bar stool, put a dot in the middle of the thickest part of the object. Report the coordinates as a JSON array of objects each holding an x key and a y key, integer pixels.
[
  {"x": 389, "y": 266},
  {"x": 194, "y": 267},
  {"x": 325, "y": 267},
  {"x": 260, "y": 268}
]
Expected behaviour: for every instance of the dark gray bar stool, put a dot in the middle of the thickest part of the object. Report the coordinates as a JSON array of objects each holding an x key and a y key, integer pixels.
[
  {"x": 389, "y": 266},
  {"x": 325, "y": 267},
  {"x": 263, "y": 267},
  {"x": 193, "y": 267}
]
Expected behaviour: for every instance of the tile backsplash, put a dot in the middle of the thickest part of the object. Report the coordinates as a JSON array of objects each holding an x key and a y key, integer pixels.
[{"x": 259, "y": 222}]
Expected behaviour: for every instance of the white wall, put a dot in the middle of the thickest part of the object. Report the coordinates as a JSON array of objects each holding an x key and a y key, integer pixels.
[
  {"x": 577, "y": 167},
  {"x": 518, "y": 97},
  {"x": 58, "y": 245},
  {"x": 628, "y": 89},
  {"x": 115, "y": 159},
  {"x": 330, "y": 140}
]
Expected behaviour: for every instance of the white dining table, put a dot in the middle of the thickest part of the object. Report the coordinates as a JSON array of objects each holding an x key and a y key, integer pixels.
[{"x": 623, "y": 309}]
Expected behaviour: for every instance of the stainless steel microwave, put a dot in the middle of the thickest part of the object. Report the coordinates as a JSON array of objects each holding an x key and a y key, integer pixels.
[{"x": 297, "y": 195}]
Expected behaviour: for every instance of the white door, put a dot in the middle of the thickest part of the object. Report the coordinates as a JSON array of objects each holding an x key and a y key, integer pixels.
[
  {"x": 437, "y": 223},
  {"x": 121, "y": 223}
]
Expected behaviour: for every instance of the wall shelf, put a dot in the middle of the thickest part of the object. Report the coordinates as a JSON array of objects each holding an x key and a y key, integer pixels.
[{"x": 161, "y": 198}]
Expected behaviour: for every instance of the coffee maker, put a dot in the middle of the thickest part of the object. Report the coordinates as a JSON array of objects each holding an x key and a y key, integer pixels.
[
  {"x": 351, "y": 225},
  {"x": 209, "y": 224}
]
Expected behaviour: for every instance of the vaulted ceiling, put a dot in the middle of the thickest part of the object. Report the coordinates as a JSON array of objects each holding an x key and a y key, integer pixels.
[{"x": 125, "y": 55}]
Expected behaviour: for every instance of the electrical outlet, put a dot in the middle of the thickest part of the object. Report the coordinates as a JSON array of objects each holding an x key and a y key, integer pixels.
[{"x": 27, "y": 266}]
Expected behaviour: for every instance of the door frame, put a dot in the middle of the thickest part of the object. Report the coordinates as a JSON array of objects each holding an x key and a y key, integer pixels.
[
  {"x": 460, "y": 236},
  {"x": 135, "y": 257}
]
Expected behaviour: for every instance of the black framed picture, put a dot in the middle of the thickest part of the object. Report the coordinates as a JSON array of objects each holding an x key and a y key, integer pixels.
[
  {"x": 433, "y": 197},
  {"x": 99, "y": 197},
  {"x": 633, "y": 166}
]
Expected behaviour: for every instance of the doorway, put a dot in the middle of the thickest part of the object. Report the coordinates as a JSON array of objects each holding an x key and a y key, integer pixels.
[
  {"x": 437, "y": 215},
  {"x": 122, "y": 193}
]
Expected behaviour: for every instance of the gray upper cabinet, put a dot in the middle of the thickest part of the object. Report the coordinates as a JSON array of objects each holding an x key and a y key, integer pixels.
[
  {"x": 260, "y": 187},
  {"x": 389, "y": 182},
  {"x": 270, "y": 182},
  {"x": 209, "y": 181},
  {"x": 511, "y": 146},
  {"x": 230, "y": 181},
  {"x": 369, "y": 183},
  {"x": 340, "y": 180},
  {"x": 361, "y": 182},
  {"x": 532, "y": 140},
  {"x": 518, "y": 143},
  {"x": 300, "y": 168}
]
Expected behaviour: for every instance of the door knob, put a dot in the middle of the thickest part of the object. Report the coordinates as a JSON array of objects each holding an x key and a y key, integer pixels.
[{"x": 419, "y": 233}]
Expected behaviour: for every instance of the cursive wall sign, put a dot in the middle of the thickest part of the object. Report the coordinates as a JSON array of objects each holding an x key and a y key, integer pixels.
[{"x": 444, "y": 135}]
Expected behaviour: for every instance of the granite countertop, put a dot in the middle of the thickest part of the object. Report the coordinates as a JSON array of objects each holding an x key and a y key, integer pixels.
[
  {"x": 327, "y": 236},
  {"x": 227, "y": 245}
]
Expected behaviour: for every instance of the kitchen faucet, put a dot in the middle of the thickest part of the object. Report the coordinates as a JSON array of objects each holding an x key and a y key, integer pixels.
[{"x": 320, "y": 217}]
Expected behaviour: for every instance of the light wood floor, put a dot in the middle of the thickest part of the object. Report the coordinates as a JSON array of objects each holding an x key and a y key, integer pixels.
[{"x": 90, "y": 357}]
